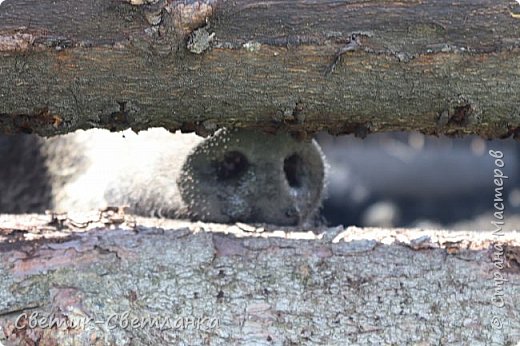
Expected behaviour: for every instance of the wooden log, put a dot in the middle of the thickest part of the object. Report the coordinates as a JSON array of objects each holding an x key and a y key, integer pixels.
[
  {"x": 220, "y": 284},
  {"x": 435, "y": 66}
]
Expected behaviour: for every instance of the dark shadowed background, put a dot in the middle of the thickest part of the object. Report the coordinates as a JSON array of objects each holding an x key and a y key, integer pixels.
[{"x": 401, "y": 179}]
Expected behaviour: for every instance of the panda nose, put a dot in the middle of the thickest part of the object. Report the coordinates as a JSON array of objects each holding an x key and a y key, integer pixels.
[
  {"x": 233, "y": 165},
  {"x": 248, "y": 176},
  {"x": 293, "y": 168}
]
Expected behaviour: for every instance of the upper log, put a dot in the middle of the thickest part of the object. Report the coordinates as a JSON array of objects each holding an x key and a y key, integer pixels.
[{"x": 439, "y": 67}]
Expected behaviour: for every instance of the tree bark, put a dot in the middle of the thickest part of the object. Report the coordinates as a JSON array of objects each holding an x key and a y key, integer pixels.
[
  {"x": 439, "y": 67},
  {"x": 239, "y": 284}
]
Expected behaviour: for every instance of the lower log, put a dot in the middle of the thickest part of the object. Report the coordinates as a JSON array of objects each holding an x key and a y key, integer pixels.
[{"x": 239, "y": 284}]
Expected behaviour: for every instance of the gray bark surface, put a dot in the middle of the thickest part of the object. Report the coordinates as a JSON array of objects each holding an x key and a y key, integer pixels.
[
  {"x": 439, "y": 67},
  {"x": 264, "y": 285}
]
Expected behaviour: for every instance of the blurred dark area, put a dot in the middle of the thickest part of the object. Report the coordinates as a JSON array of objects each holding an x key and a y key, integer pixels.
[
  {"x": 24, "y": 177},
  {"x": 412, "y": 180}
]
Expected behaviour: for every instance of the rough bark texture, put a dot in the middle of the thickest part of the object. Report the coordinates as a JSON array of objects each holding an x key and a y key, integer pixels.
[
  {"x": 264, "y": 286},
  {"x": 304, "y": 66}
]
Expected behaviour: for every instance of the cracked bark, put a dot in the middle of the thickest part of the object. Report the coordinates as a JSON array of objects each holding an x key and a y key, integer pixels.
[
  {"x": 264, "y": 286},
  {"x": 438, "y": 67}
]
